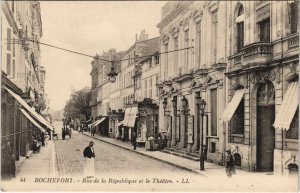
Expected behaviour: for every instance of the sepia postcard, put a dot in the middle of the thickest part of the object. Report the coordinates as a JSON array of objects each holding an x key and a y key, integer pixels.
[{"x": 150, "y": 96}]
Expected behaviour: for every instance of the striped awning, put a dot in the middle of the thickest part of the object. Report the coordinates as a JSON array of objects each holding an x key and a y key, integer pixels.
[
  {"x": 232, "y": 106},
  {"x": 32, "y": 120},
  {"x": 127, "y": 117},
  {"x": 288, "y": 107},
  {"x": 30, "y": 109},
  {"x": 133, "y": 112},
  {"x": 99, "y": 121}
]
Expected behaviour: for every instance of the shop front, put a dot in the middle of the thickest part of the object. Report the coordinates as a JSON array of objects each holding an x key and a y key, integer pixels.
[
  {"x": 147, "y": 120},
  {"x": 115, "y": 122}
]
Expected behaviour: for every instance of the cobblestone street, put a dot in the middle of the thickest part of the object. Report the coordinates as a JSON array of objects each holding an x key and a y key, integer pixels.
[{"x": 109, "y": 159}]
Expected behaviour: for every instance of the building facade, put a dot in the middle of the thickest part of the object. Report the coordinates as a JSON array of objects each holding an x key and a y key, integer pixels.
[
  {"x": 193, "y": 64},
  {"x": 22, "y": 87},
  {"x": 263, "y": 48},
  {"x": 245, "y": 74}
]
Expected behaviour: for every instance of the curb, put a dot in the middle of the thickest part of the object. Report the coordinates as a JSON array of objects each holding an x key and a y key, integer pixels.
[{"x": 140, "y": 153}]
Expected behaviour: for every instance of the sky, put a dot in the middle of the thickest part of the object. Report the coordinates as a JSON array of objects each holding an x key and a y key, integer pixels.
[{"x": 88, "y": 27}]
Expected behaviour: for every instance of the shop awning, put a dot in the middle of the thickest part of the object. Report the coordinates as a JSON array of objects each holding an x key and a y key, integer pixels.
[
  {"x": 99, "y": 121},
  {"x": 32, "y": 120},
  {"x": 133, "y": 112},
  {"x": 288, "y": 107},
  {"x": 31, "y": 110},
  {"x": 232, "y": 106},
  {"x": 120, "y": 123},
  {"x": 127, "y": 117}
]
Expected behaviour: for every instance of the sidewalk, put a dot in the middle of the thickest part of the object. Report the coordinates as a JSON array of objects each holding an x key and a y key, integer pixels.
[
  {"x": 186, "y": 164},
  {"x": 39, "y": 164}
]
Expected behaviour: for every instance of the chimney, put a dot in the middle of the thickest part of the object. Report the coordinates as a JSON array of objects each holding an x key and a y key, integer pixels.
[{"x": 143, "y": 36}]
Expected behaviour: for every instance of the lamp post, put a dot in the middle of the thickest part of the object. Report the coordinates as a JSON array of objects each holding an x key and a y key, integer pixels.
[
  {"x": 201, "y": 105},
  {"x": 112, "y": 74}
]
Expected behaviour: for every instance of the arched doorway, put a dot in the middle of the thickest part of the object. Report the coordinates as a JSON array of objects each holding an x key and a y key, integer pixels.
[{"x": 265, "y": 130}]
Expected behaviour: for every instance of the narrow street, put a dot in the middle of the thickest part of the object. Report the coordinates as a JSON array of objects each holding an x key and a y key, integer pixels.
[{"x": 109, "y": 159}]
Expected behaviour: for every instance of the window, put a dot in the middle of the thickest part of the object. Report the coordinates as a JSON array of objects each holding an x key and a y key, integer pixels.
[
  {"x": 214, "y": 36},
  {"x": 240, "y": 29},
  {"x": 214, "y": 112},
  {"x": 237, "y": 121},
  {"x": 8, "y": 39},
  {"x": 198, "y": 46},
  {"x": 294, "y": 14},
  {"x": 157, "y": 89},
  {"x": 293, "y": 132},
  {"x": 156, "y": 58},
  {"x": 150, "y": 88},
  {"x": 145, "y": 89},
  {"x": 8, "y": 64},
  {"x": 212, "y": 147},
  {"x": 166, "y": 60},
  {"x": 264, "y": 30},
  {"x": 175, "y": 55},
  {"x": 14, "y": 48},
  {"x": 150, "y": 62},
  {"x": 13, "y": 68}
]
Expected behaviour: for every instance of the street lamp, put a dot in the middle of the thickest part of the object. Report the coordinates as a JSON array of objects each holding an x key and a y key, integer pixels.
[
  {"x": 201, "y": 105},
  {"x": 112, "y": 74}
]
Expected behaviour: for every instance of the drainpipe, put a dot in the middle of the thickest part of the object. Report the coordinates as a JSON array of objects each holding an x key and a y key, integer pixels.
[{"x": 282, "y": 23}]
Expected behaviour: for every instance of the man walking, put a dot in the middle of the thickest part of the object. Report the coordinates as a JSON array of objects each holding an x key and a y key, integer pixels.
[{"x": 89, "y": 156}]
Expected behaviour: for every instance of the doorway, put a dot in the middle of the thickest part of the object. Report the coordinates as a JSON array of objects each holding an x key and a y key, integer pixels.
[{"x": 265, "y": 130}]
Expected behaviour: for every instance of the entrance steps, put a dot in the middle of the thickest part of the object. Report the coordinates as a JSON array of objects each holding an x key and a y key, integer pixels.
[{"x": 182, "y": 153}]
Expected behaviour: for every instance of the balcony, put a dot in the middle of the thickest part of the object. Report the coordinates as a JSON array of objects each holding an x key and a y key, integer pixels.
[
  {"x": 293, "y": 41},
  {"x": 257, "y": 49}
]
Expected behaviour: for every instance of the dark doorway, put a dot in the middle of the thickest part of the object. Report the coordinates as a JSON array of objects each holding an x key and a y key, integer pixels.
[{"x": 265, "y": 129}]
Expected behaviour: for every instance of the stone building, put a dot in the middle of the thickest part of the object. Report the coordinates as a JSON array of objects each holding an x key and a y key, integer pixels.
[
  {"x": 247, "y": 74},
  {"x": 263, "y": 56},
  {"x": 196, "y": 70},
  {"x": 22, "y": 78},
  {"x": 101, "y": 91},
  {"x": 133, "y": 84}
]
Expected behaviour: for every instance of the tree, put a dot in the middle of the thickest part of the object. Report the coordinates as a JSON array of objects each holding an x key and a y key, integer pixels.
[{"x": 78, "y": 106}]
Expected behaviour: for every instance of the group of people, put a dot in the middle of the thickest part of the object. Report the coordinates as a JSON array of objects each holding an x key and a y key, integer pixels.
[{"x": 66, "y": 131}]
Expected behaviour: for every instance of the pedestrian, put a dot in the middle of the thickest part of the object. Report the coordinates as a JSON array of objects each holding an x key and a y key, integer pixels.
[
  {"x": 63, "y": 133},
  {"x": 230, "y": 169},
  {"x": 89, "y": 155},
  {"x": 46, "y": 138},
  {"x": 43, "y": 138},
  {"x": 93, "y": 131},
  {"x": 9, "y": 157},
  {"x": 133, "y": 139}
]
